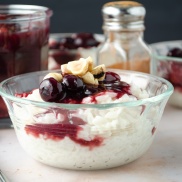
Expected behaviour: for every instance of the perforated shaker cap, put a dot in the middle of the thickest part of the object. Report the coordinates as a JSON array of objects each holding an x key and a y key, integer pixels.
[{"x": 123, "y": 15}]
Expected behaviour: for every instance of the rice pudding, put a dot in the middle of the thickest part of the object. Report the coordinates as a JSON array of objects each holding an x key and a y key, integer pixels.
[{"x": 87, "y": 137}]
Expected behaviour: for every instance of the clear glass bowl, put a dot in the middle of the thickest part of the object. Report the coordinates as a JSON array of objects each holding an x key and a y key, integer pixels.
[
  {"x": 86, "y": 136},
  {"x": 169, "y": 68}
]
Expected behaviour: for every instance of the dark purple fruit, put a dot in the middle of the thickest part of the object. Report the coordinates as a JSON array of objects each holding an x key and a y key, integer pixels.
[
  {"x": 111, "y": 77},
  {"x": 85, "y": 40},
  {"x": 175, "y": 52},
  {"x": 51, "y": 90},
  {"x": 91, "y": 90},
  {"x": 67, "y": 43},
  {"x": 73, "y": 83}
]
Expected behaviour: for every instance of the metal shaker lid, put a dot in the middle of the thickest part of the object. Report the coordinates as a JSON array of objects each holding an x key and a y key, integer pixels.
[{"x": 123, "y": 15}]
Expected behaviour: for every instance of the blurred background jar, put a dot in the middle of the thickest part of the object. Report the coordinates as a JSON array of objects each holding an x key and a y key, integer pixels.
[
  {"x": 124, "y": 47},
  {"x": 24, "y": 34}
]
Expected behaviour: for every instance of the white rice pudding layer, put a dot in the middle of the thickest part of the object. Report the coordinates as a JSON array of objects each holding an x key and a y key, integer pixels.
[{"x": 127, "y": 132}]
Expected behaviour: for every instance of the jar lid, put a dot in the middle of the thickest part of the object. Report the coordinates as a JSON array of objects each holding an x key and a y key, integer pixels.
[{"x": 123, "y": 15}]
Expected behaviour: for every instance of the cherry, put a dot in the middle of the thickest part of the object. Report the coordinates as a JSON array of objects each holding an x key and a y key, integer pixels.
[
  {"x": 111, "y": 77},
  {"x": 51, "y": 90},
  {"x": 175, "y": 52},
  {"x": 90, "y": 90},
  {"x": 85, "y": 40},
  {"x": 67, "y": 43},
  {"x": 73, "y": 83}
]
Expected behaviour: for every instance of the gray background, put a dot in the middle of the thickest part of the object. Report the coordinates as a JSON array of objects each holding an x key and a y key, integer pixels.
[{"x": 163, "y": 19}]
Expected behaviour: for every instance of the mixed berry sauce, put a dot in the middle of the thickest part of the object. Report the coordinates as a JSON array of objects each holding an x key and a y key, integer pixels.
[
  {"x": 64, "y": 49},
  {"x": 72, "y": 90}
]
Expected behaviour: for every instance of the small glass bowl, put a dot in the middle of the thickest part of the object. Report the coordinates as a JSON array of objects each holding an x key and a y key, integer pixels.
[
  {"x": 86, "y": 136},
  {"x": 169, "y": 68}
]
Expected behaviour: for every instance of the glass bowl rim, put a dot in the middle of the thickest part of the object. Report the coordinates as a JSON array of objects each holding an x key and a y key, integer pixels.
[
  {"x": 153, "y": 99},
  {"x": 33, "y": 12},
  {"x": 163, "y": 57}
]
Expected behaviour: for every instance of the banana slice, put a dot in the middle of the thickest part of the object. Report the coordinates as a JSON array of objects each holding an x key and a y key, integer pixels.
[
  {"x": 79, "y": 67},
  {"x": 99, "y": 72},
  {"x": 89, "y": 79},
  {"x": 56, "y": 76}
]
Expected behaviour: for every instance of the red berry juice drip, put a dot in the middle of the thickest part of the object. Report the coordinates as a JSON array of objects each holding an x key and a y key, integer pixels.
[{"x": 59, "y": 131}]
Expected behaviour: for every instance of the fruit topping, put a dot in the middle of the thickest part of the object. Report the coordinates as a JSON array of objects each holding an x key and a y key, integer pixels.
[
  {"x": 111, "y": 77},
  {"x": 51, "y": 90},
  {"x": 74, "y": 41},
  {"x": 85, "y": 40},
  {"x": 77, "y": 80},
  {"x": 73, "y": 83},
  {"x": 67, "y": 43},
  {"x": 91, "y": 90},
  {"x": 175, "y": 52}
]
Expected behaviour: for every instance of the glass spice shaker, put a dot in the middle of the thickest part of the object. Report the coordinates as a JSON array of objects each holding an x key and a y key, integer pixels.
[{"x": 124, "y": 47}]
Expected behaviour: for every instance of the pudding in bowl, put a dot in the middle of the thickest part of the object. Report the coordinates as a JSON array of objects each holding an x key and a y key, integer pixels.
[
  {"x": 65, "y": 47},
  {"x": 88, "y": 118},
  {"x": 167, "y": 63}
]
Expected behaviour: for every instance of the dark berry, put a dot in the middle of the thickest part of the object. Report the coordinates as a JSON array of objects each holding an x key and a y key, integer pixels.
[
  {"x": 175, "y": 52},
  {"x": 111, "y": 77},
  {"x": 67, "y": 43},
  {"x": 90, "y": 90},
  {"x": 85, "y": 40},
  {"x": 73, "y": 83},
  {"x": 51, "y": 90}
]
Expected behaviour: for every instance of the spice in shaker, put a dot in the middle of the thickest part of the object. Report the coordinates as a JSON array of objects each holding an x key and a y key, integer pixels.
[{"x": 124, "y": 47}]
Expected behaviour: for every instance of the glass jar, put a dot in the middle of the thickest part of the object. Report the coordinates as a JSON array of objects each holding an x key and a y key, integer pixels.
[
  {"x": 124, "y": 47},
  {"x": 24, "y": 34}
]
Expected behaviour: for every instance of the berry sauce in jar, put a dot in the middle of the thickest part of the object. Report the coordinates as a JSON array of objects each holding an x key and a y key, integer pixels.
[{"x": 24, "y": 33}]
